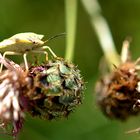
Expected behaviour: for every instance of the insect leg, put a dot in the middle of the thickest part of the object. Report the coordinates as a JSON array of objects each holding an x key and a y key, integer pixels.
[
  {"x": 47, "y": 47},
  {"x": 25, "y": 61},
  {"x": 8, "y": 53},
  {"x": 40, "y": 51}
]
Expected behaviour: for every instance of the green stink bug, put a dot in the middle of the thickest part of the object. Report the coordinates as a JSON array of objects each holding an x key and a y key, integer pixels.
[{"x": 22, "y": 43}]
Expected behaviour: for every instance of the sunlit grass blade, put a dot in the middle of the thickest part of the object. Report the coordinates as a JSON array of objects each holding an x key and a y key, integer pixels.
[
  {"x": 71, "y": 16},
  {"x": 102, "y": 30}
]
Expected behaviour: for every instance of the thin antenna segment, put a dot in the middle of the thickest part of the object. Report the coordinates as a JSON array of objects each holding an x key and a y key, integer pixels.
[{"x": 55, "y": 36}]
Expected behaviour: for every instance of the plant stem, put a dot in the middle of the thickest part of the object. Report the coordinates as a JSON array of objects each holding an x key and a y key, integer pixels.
[
  {"x": 103, "y": 32},
  {"x": 71, "y": 16}
]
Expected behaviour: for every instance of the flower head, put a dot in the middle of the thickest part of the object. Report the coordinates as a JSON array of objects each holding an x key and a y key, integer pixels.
[
  {"x": 12, "y": 103},
  {"x": 118, "y": 93},
  {"x": 56, "y": 89}
]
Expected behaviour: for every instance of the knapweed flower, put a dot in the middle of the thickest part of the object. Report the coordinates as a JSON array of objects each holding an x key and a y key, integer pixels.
[
  {"x": 118, "y": 92},
  {"x": 56, "y": 88}
]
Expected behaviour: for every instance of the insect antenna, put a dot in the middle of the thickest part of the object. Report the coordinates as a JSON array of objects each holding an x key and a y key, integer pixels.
[{"x": 55, "y": 36}]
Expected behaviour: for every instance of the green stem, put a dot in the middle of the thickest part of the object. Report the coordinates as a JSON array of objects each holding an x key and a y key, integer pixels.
[
  {"x": 103, "y": 32},
  {"x": 71, "y": 15}
]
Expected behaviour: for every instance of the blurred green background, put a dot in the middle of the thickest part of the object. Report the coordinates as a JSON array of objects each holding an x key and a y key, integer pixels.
[{"x": 48, "y": 17}]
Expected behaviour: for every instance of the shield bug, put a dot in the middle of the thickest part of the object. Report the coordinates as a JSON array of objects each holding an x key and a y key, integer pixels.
[{"x": 22, "y": 43}]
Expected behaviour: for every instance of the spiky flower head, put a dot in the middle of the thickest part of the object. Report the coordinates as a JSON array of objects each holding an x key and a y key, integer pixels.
[
  {"x": 55, "y": 89},
  {"x": 118, "y": 92}
]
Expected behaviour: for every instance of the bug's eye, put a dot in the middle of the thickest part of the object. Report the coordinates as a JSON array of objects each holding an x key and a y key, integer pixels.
[
  {"x": 34, "y": 42},
  {"x": 30, "y": 39}
]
